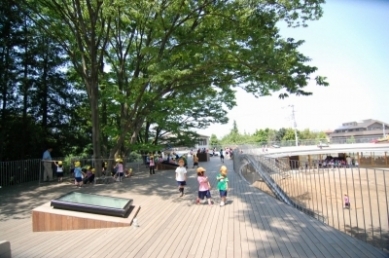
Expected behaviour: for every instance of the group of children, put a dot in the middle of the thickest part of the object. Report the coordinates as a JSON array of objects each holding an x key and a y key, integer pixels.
[
  {"x": 204, "y": 191},
  {"x": 83, "y": 175},
  {"x": 87, "y": 174}
]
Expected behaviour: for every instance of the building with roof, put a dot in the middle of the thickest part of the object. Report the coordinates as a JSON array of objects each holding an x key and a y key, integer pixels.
[
  {"x": 360, "y": 132},
  {"x": 202, "y": 142}
]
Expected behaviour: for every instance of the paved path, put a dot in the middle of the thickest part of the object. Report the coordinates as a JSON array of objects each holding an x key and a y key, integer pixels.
[{"x": 252, "y": 224}]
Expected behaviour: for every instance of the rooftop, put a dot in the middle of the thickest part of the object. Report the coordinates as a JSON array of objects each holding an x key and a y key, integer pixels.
[{"x": 252, "y": 224}]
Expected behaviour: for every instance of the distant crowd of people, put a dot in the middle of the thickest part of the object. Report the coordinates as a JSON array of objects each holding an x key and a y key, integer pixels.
[{"x": 83, "y": 175}]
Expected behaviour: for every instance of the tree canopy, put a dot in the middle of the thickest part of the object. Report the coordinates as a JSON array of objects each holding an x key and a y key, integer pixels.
[
  {"x": 267, "y": 136},
  {"x": 151, "y": 67}
]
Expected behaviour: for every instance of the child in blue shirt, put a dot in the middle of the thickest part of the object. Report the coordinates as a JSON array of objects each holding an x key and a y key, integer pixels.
[{"x": 77, "y": 174}]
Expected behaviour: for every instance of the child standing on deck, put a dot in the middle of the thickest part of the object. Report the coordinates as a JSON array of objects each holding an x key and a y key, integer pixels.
[
  {"x": 195, "y": 161},
  {"x": 152, "y": 165},
  {"x": 77, "y": 174},
  {"x": 59, "y": 170},
  {"x": 346, "y": 201},
  {"x": 181, "y": 176},
  {"x": 204, "y": 186},
  {"x": 119, "y": 168},
  {"x": 222, "y": 184},
  {"x": 221, "y": 156}
]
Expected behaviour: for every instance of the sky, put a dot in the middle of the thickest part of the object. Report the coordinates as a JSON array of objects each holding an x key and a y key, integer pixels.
[{"x": 350, "y": 46}]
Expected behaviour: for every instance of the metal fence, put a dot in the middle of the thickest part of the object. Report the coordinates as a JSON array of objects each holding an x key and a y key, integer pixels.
[
  {"x": 321, "y": 192},
  {"x": 24, "y": 171},
  {"x": 307, "y": 142},
  {"x": 17, "y": 172}
]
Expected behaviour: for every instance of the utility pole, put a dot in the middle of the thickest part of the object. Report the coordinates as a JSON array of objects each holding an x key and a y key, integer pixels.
[
  {"x": 383, "y": 129},
  {"x": 295, "y": 125}
]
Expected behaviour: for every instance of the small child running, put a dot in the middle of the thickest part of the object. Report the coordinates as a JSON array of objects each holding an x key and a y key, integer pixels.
[
  {"x": 222, "y": 184},
  {"x": 195, "y": 161},
  {"x": 204, "y": 186}
]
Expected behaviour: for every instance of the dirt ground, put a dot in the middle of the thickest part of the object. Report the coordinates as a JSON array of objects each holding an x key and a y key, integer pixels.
[{"x": 322, "y": 192}]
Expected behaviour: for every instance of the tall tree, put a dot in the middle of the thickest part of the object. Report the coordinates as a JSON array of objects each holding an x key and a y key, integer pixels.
[
  {"x": 84, "y": 38},
  {"x": 34, "y": 89},
  {"x": 159, "y": 48},
  {"x": 10, "y": 22}
]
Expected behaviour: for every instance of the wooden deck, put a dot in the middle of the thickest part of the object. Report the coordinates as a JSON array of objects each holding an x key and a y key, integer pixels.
[{"x": 252, "y": 224}]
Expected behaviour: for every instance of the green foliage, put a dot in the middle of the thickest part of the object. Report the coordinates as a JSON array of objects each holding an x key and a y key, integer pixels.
[
  {"x": 213, "y": 141},
  {"x": 280, "y": 134},
  {"x": 40, "y": 101},
  {"x": 134, "y": 156},
  {"x": 289, "y": 135},
  {"x": 351, "y": 139},
  {"x": 145, "y": 148},
  {"x": 283, "y": 136},
  {"x": 261, "y": 135},
  {"x": 173, "y": 67}
]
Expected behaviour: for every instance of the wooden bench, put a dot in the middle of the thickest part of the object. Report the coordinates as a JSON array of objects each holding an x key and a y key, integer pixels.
[
  {"x": 203, "y": 156},
  {"x": 165, "y": 166}
]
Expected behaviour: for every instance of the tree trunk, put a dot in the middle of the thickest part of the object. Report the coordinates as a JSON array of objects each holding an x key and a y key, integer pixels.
[{"x": 93, "y": 99}]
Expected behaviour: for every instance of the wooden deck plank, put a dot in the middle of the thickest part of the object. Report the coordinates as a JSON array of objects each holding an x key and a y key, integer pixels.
[
  {"x": 265, "y": 248},
  {"x": 247, "y": 215},
  {"x": 50, "y": 244},
  {"x": 202, "y": 249},
  {"x": 195, "y": 223},
  {"x": 169, "y": 218},
  {"x": 242, "y": 227},
  {"x": 191, "y": 240},
  {"x": 279, "y": 208},
  {"x": 220, "y": 217},
  {"x": 193, "y": 250},
  {"x": 154, "y": 211},
  {"x": 252, "y": 224},
  {"x": 243, "y": 188},
  {"x": 282, "y": 228},
  {"x": 193, "y": 214},
  {"x": 212, "y": 234},
  {"x": 172, "y": 233},
  {"x": 317, "y": 237},
  {"x": 171, "y": 223},
  {"x": 237, "y": 248}
]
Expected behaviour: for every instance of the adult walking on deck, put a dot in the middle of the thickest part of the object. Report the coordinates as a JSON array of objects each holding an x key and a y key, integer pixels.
[{"x": 47, "y": 165}]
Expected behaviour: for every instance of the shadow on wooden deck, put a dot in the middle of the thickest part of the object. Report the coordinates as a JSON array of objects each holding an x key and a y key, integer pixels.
[{"x": 252, "y": 224}]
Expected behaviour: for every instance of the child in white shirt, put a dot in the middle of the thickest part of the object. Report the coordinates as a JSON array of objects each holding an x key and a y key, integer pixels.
[{"x": 181, "y": 176}]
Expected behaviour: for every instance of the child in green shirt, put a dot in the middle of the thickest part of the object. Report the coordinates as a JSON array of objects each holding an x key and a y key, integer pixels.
[{"x": 222, "y": 184}]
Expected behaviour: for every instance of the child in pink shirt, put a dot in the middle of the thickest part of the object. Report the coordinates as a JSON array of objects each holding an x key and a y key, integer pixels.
[
  {"x": 346, "y": 201},
  {"x": 119, "y": 169},
  {"x": 204, "y": 186},
  {"x": 152, "y": 165}
]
